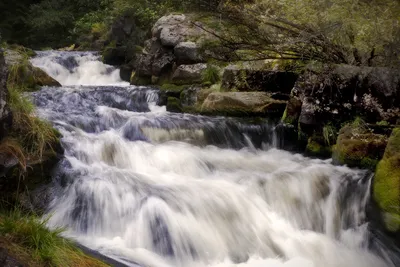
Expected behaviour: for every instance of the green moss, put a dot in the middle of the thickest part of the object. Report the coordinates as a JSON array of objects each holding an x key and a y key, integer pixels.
[
  {"x": 173, "y": 87},
  {"x": 316, "y": 147},
  {"x": 387, "y": 185},
  {"x": 292, "y": 112},
  {"x": 358, "y": 147},
  {"x": 174, "y": 105},
  {"x": 140, "y": 80},
  {"x": 393, "y": 147}
]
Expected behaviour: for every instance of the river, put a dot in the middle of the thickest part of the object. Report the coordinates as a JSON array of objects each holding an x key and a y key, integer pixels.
[{"x": 147, "y": 187}]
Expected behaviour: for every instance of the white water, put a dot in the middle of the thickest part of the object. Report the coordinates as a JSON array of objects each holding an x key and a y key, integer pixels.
[
  {"x": 153, "y": 188},
  {"x": 77, "y": 68}
]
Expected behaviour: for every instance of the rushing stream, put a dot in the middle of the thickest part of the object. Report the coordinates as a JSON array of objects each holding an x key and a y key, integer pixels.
[{"x": 151, "y": 188}]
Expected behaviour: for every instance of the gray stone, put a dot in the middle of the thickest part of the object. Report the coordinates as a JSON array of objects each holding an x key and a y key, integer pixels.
[
  {"x": 187, "y": 53},
  {"x": 187, "y": 74},
  {"x": 242, "y": 104}
]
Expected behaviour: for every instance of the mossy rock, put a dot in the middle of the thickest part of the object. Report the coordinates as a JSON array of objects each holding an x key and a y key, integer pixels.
[
  {"x": 358, "y": 147},
  {"x": 30, "y": 78},
  {"x": 316, "y": 147},
  {"x": 242, "y": 104},
  {"x": 292, "y": 111},
  {"x": 140, "y": 80},
  {"x": 386, "y": 186},
  {"x": 174, "y": 105}
]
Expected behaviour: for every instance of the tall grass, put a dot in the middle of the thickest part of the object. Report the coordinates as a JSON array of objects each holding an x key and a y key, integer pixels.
[
  {"x": 47, "y": 248},
  {"x": 211, "y": 75},
  {"x": 34, "y": 135}
]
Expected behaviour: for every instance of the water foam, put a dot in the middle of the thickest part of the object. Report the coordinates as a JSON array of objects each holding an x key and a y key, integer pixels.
[
  {"x": 153, "y": 188},
  {"x": 77, "y": 68}
]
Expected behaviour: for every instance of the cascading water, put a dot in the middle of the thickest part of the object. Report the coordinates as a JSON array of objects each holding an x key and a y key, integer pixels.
[{"x": 152, "y": 188}]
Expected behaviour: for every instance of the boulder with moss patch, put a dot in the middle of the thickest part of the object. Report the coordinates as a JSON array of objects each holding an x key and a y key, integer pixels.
[
  {"x": 24, "y": 75},
  {"x": 386, "y": 185},
  {"x": 358, "y": 146},
  {"x": 242, "y": 104},
  {"x": 257, "y": 78}
]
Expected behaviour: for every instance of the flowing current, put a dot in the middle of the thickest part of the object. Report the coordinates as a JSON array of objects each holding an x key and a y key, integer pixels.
[{"x": 147, "y": 187}]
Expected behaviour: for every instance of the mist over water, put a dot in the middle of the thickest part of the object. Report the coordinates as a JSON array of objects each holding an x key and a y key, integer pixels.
[{"x": 153, "y": 188}]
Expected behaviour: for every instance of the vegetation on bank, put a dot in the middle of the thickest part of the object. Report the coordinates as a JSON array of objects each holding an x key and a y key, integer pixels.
[{"x": 26, "y": 238}]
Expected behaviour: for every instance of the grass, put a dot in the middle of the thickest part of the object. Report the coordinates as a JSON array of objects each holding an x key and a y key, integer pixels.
[
  {"x": 33, "y": 134},
  {"x": 27, "y": 237},
  {"x": 211, "y": 75},
  {"x": 329, "y": 133}
]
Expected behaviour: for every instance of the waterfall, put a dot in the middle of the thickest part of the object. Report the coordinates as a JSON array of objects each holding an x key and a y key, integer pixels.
[{"x": 152, "y": 188}]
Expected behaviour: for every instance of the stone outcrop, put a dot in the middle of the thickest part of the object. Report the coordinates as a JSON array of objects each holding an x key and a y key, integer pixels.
[
  {"x": 189, "y": 74},
  {"x": 341, "y": 92},
  {"x": 386, "y": 185},
  {"x": 242, "y": 104},
  {"x": 175, "y": 41},
  {"x": 253, "y": 78}
]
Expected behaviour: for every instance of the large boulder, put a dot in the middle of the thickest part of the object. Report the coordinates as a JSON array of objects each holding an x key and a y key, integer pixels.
[
  {"x": 340, "y": 92},
  {"x": 242, "y": 104},
  {"x": 358, "y": 146},
  {"x": 386, "y": 184},
  {"x": 250, "y": 78},
  {"x": 5, "y": 113},
  {"x": 175, "y": 41},
  {"x": 189, "y": 74}
]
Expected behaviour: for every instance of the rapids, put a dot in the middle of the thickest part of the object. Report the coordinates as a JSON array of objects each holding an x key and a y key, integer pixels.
[{"x": 152, "y": 188}]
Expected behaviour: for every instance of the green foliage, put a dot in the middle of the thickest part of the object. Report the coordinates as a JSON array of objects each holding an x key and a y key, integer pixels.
[
  {"x": 329, "y": 133},
  {"x": 34, "y": 135},
  {"x": 339, "y": 31},
  {"x": 211, "y": 74},
  {"x": 47, "y": 248}
]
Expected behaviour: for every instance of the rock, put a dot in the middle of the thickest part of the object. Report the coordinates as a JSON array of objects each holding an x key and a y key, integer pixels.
[
  {"x": 189, "y": 74},
  {"x": 386, "y": 184},
  {"x": 340, "y": 92},
  {"x": 187, "y": 53},
  {"x": 257, "y": 79},
  {"x": 41, "y": 78},
  {"x": 125, "y": 72},
  {"x": 174, "y": 105},
  {"x": 292, "y": 111},
  {"x": 175, "y": 41},
  {"x": 357, "y": 146},
  {"x": 5, "y": 113},
  {"x": 114, "y": 55},
  {"x": 24, "y": 74},
  {"x": 163, "y": 63},
  {"x": 188, "y": 96},
  {"x": 242, "y": 104},
  {"x": 167, "y": 21},
  {"x": 317, "y": 147}
]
